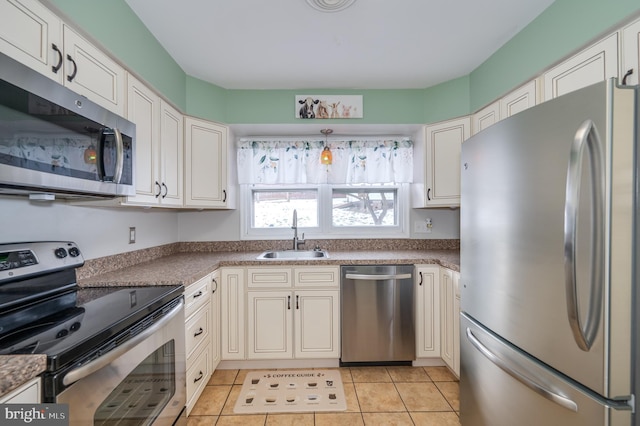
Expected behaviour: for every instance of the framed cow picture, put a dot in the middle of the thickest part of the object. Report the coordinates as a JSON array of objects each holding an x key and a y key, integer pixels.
[{"x": 311, "y": 107}]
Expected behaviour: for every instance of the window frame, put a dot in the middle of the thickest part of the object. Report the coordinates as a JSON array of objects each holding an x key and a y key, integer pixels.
[{"x": 325, "y": 228}]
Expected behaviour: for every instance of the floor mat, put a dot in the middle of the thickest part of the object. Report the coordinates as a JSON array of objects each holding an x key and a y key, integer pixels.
[{"x": 291, "y": 391}]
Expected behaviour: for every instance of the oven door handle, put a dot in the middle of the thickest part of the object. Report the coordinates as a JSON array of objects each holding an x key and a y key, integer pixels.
[{"x": 95, "y": 365}]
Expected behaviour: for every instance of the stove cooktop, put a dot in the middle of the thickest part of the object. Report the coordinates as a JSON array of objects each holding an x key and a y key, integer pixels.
[{"x": 66, "y": 326}]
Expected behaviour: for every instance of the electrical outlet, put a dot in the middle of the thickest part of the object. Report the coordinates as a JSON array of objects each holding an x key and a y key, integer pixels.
[
  {"x": 132, "y": 235},
  {"x": 428, "y": 224}
]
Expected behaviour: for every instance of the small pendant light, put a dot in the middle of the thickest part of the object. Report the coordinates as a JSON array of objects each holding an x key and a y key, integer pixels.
[{"x": 325, "y": 156}]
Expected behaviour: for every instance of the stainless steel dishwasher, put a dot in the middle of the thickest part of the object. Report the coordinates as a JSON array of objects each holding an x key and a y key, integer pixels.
[{"x": 377, "y": 314}]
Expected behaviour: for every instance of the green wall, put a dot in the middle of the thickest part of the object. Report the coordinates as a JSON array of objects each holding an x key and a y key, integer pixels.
[
  {"x": 565, "y": 26},
  {"x": 562, "y": 28}
]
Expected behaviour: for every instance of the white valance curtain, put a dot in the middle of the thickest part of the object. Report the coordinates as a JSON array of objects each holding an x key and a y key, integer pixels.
[{"x": 375, "y": 161}]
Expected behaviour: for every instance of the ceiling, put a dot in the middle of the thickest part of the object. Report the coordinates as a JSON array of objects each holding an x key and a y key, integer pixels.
[{"x": 372, "y": 44}]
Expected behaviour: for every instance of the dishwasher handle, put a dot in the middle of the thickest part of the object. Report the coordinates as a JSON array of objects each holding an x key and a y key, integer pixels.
[{"x": 377, "y": 277}]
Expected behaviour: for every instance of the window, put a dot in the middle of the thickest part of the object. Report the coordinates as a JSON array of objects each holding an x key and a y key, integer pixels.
[
  {"x": 274, "y": 208},
  {"x": 353, "y": 196},
  {"x": 347, "y": 210}
]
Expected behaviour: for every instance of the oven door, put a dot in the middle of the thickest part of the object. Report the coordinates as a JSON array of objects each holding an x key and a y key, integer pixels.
[{"x": 140, "y": 384}]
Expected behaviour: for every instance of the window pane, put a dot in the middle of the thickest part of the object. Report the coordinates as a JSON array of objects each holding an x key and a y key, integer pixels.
[
  {"x": 364, "y": 207},
  {"x": 274, "y": 209}
]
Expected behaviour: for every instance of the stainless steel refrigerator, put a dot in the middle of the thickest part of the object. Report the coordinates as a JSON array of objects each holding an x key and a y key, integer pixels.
[{"x": 549, "y": 325}]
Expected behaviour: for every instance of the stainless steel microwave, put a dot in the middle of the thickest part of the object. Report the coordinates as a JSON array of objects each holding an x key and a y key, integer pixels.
[{"x": 53, "y": 141}]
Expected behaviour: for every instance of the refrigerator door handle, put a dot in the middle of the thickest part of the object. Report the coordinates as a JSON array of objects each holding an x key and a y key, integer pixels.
[
  {"x": 531, "y": 384},
  {"x": 586, "y": 136}
]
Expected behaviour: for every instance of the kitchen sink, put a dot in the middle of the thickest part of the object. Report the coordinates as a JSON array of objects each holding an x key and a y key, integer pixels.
[{"x": 294, "y": 255}]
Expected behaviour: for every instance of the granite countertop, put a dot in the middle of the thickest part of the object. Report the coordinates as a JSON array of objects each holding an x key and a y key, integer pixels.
[
  {"x": 19, "y": 369},
  {"x": 186, "y": 268}
]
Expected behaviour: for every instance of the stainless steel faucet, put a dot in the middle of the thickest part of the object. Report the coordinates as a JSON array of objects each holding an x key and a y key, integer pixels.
[{"x": 296, "y": 241}]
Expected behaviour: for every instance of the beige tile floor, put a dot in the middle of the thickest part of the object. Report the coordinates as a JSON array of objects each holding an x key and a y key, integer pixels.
[{"x": 375, "y": 396}]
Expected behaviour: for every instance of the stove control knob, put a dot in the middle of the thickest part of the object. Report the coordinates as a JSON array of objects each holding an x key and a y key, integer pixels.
[
  {"x": 60, "y": 253},
  {"x": 75, "y": 326},
  {"x": 74, "y": 252}
]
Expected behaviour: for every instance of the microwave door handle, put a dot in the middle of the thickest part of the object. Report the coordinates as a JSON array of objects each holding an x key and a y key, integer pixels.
[
  {"x": 117, "y": 175},
  {"x": 100, "y": 157},
  {"x": 586, "y": 136},
  {"x": 95, "y": 365}
]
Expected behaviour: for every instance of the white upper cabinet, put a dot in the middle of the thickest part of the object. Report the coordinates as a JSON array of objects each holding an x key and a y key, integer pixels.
[
  {"x": 205, "y": 164},
  {"x": 593, "y": 64},
  {"x": 91, "y": 73},
  {"x": 485, "y": 117},
  {"x": 143, "y": 109},
  {"x": 437, "y": 183},
  {"x": 34, "y": 36},
  {"x": 171, "y": 155},
  {"x": 159, "y": 148},
  {"x": 518, "y": 100},
  {"x": 631, "y": 52}
]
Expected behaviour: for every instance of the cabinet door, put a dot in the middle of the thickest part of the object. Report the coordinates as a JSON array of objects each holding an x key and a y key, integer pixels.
[
  {"x": 197, "y": 329},
  {"x": 456, "y": 323},
  {"x": 171, "y": 155},
  {"x": 631, "y": 52},
  {"x": 31, "y": 34},
  {"x": 269, "y": 325},
  {"x": 199, "y": 371},
  {"x": 232, "y": 324},
  {"x": 443, "y": 145},
  {"x": 28, "y": 393},
  {"x": 206, "y": 164},
  {"x": 447, "y": 333},
  {"x": 215, "y": 319},
  {"x": 91, "y": 73},
  {"x": 485, "y": 117},
  {"x": 427, "y": 307},
  {"x": 143, "y": 109},
  {"x": 518, "y": 100},
  {"x": 596, "y": 63},
  {"x": 317, "y": 324}
]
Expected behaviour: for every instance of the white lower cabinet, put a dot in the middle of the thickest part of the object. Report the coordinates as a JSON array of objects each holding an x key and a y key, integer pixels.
[
  {"x": 427, "y": 308},
  {"x": 232, "y": 321},
  {"x": 198, "y": 338},
  {"x": 215, "y": 319},
  {"x": 28, "y": 393},
  {"x": 291, "y": 313},
  {"x": 450, "y": 319}
]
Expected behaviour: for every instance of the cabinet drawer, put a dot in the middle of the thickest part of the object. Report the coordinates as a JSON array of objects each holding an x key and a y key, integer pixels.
[
  {"x": 328, "y": 276},
  {"x": 268, "y": 277},
  {"x": 198, "y": 329},
  {"x": 198, "y": 373},
  {"x": 196, "y": 295}
]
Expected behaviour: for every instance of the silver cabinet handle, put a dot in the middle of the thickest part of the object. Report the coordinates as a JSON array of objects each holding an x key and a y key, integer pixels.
[
  {"x": 558, "y": 399},
  {"x": 95, "y": 365},
  {"x": 586, "y": 136},
  {"x": 119, "y": 156},
  {"x": 377, "y": 277}
]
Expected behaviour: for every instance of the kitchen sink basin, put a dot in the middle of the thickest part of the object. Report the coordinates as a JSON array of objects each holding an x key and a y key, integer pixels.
[{"x": 294, "y": 255}]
